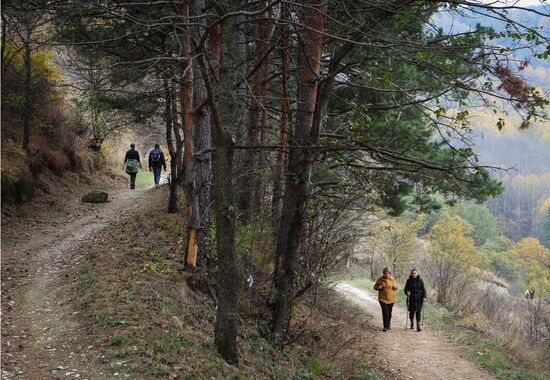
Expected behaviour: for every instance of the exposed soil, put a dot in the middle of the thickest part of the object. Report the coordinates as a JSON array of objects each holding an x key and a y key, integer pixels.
[
  {"x": 415, "y": 355},
  {"x": 41, "y": 336}
]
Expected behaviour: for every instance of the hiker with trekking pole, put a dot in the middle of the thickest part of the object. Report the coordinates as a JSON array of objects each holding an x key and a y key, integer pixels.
[
  {"x": 416, "y": 294},
  {"x": 386, "y": 287}
]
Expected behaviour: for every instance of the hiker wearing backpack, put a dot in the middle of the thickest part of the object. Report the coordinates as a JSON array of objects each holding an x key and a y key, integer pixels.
[
  {"x": 416, "y": 294},
  {"x": 156, "y": 163},
  {"x": 132, "y": 164},
  {"x": 386, "y": 287}
]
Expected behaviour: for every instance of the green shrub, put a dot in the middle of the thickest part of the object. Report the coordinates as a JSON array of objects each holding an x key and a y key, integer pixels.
[{"x": 316, "y": 365}]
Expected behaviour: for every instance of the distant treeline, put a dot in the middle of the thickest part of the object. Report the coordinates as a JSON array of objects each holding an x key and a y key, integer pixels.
[
  {"x": 523, "y": 152},
  {"x": 526, "y": 158},
  {"x": 521, "y": 207}
]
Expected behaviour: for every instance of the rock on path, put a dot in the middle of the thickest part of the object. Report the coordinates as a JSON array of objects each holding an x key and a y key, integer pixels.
[{"x": 42, "y": 337}]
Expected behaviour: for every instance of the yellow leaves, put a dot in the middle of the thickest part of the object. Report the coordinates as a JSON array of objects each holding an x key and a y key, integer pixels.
[
  {"x": 487, "y": 119},
  {"x": 450, "y": 240},
  {"x": 452, "y": 255},
  {"x": 545, "y": 205},
  {"x": 533, "y": 259},
  {"x": 531, "y": 181},
  {"x": 531, "y": 250},
  {"x": 396, "y": 243},
  {"x": 543, "y": 209},
  {"x": 42, "y": 62},
  {"x": 538, "y": 278}
]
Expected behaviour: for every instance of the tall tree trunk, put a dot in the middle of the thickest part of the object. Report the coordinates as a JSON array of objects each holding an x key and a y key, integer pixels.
[
  {"x": 299, "y": 168},
  {"x": 186, "y": 89},
  {"x": 3, "y": 46},
  {"x": 245, "y": 200},
  {"x": 243, "y": 94},
  {"x": 284, "y": 123},
  {"x": 202, "y": 140},
  {"x": 216, "y": 43},
  {"x": 172, "y": 150},
  {"x": 27, "y": 107},
  {"x": 229, "y": 276},
  {"x": 242, "y": 90},
  {"x": 177, "y": 127},
  {"x": 262, "y": 156},
  {"x": 312, "y": 104}
]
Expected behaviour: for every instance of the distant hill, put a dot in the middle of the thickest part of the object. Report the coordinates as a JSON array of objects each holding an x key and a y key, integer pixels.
[
  {"x": 527, "y": 187},
  {"x": 526, "y": 151}
]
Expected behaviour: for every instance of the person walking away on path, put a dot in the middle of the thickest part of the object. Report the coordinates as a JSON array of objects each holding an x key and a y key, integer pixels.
[
  {"x": 386, "y": 287},
  {"x": 416, "y": 293},
  {"x": 132, "y": 164},
  {"x": 156, "y": 163}
]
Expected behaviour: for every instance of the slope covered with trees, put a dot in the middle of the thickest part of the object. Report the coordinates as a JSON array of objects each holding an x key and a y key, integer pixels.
[
  {"x": 522, "y": 156},
  {"x": 288, "y": 121}
]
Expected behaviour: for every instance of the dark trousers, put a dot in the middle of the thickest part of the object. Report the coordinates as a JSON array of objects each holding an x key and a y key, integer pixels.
[
  {"x": 411, "y": 316},
  {"x": 415, "y": 307},
  {"x": 133, "y": 180},
  {"x": 386, "y": 313}
]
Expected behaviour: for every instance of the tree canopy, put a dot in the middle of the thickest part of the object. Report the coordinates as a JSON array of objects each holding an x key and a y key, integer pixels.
[{"x": 299, "y": 112}]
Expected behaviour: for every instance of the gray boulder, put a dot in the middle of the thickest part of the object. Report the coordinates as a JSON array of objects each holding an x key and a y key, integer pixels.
[{"x": 95, "y": 197}]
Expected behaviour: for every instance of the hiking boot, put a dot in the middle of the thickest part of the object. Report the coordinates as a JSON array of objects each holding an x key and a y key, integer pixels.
[
  {"x": 132, "y": 186},
  {"x": 385, "y": 329},
  {"x": 418, "y": 329}
]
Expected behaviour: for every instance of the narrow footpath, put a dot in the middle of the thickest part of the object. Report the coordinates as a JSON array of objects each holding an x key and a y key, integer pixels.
[
  {"x": 41, "y": 334},
  {"x": 412, "y": 354}
]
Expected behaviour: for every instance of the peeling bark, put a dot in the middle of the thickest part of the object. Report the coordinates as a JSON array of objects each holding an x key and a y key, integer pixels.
[
  {"x": 202, "y": 140},
  {"x": 192, "y": 204}
]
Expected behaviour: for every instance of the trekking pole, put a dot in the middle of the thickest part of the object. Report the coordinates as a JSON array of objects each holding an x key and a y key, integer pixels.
[
  {"x": 406, "y": 312},
  {"x": 422, "y": 312}
]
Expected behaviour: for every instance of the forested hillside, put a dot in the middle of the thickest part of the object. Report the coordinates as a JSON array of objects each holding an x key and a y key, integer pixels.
[
  {"x": 523, "y": 154},
  {"x": 39, "y": 136},
  {"x": 293, "y": 134},
  {"x": 523, "y": 157}
]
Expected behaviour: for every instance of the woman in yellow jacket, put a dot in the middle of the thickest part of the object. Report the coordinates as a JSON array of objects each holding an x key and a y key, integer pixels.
[{"x": 386, "y": 287}]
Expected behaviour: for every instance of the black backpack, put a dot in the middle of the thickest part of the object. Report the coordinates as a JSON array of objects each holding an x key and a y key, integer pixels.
[{"x": 155, "y": 156}]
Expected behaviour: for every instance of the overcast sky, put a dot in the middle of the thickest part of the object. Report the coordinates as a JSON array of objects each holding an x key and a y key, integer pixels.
[{"x": 517, "y": 2}]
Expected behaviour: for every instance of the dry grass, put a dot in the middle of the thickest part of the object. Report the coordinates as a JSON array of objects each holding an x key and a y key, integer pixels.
[
  {"x": 48, "y": 153},
  {"x": 17, "y": 179},
  {"x": 57, "y": 162},
  {"x": 488, "y": 326},
  {"x": 140, "y": 312}
]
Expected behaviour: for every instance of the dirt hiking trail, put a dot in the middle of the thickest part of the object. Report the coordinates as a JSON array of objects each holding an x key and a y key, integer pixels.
[
  {"x": 41, "y": 335},
  {"x": 412, "y": 354}
]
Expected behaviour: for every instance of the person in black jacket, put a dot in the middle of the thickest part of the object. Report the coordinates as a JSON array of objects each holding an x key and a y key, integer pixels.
[
  {"x": 132, "y": 164},
  {"x": 156, "y": 163},
  {"x": 416, "y": 294}
]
